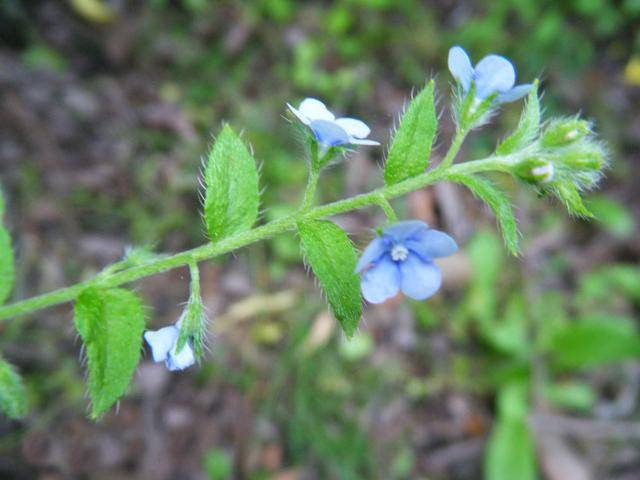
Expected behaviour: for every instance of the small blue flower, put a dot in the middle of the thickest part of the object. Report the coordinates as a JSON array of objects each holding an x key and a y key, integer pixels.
[
  {"x": 492, "y": 74},
  {"x": 163, "y": 345},
  {"x": 402, "y": 259},
  {"x": 329, "y": 130}
]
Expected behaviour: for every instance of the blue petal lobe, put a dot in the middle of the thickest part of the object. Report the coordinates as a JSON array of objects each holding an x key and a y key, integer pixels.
[
  {"x": 372, "y": 253},
  {"x": 381, "y": 282},
  {"x": 432, "y": 244},
  {"x": 179, "y": 361},
  {"x": 161, "y": 341},
  {"x": 402, "y": 231},
  {"x": 329, "y": 133},
  {"x": 516, "y": 93},
  {"x": 494, "y": 74},
  {"x": 420, "y": 279},
  {"x": 460, "y": 66}
]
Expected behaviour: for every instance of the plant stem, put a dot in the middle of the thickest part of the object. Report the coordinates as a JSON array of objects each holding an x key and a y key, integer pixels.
[
  {"x": 228, "y": 244},
  {"x": 312, "y": 183},
  {"x": 453, "y": 149},
  {"x": 388, "y": 209}
]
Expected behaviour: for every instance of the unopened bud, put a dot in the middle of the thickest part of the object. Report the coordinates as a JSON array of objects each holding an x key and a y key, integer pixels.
[
  {"x": 543, "y": 173},
  {"x": 565, "y": 131},
  {"x": 583, "y": 156}
]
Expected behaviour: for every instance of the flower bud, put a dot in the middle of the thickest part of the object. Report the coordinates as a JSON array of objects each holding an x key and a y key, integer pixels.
[
  {"x": 543, "y": 173},
  {"x": 564, "y": 131},
  {"x": 586, "y": 156},
  {"x": 535, "y": 170}
]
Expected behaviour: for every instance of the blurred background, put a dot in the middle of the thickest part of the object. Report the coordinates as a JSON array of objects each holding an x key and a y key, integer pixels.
[{"x": 517, "y": 366}]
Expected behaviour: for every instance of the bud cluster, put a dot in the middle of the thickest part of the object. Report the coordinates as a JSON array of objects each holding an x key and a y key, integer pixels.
[{"x": 564, "y": 160}]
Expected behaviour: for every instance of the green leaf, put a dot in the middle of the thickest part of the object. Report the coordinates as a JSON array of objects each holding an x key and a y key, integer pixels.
[
  {"x": 568, "y": 194},
  {"x": 13, "y": 397},
  {"x": 499, "y": 204},
  {"x": 508, "y": 332},
  {"x": 6, "y": 258},
  {"x": 231, "y": 182},
  {"x": 528, "y": 128},
  {"x": 607, "y": 286},
  {"x": 594, "y": 342},
  {"x": 510, "y": 453},
  {"x": 487, "y": 261},
  {"x": 333, "y": 259},
  {"x": 6, "y": 265},
  {"x": 411, "y": 147},
  {"x": 110, "y": 323},
  {"x": 574, "y": 395},
  {"x": 513, "y": 402},
  {"x": 613, "y": 215}
]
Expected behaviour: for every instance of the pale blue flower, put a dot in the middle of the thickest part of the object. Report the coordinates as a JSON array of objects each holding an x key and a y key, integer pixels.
[
  {"x": 492, "y": 74},
  {"x": 163, "y": 345},
  {"x": 401, "y": 259},
  {"x": 329, "y": 130}
]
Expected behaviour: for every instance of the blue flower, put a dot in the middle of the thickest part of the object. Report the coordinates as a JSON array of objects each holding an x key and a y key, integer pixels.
[
  {"x": 402, "y": 259},
  {"x": 163, "y": 345},
  {"x": 492, "y": 74},
  {"x": 329, "y": 130}
]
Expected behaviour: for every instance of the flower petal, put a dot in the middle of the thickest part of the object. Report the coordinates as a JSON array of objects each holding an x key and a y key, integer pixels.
[
  {"x": 179, "y": 361},
  {"x": 161, "y": 341},
  {"x": 354, "y": 127},
  {"x": 494, "y": 74},
  {"x": 314, "y": 109},
  {"x": 460, "y": 66},
  {"x": 372, "y": 253},
  {"x": 298, "y": 114},
  {"x": 516, "y": 93},
  {"x": 419, "y": 279},
  {"x": 329, "y": 133},
  {"x": 381, "y": 282},
  {"x": 402, "y": 231},
  {"x": 358, "y": 141},
  {"x": 432, "y": 244}
]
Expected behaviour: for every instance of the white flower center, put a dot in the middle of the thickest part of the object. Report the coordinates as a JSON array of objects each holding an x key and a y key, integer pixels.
[{"x": 399, "y": 253}]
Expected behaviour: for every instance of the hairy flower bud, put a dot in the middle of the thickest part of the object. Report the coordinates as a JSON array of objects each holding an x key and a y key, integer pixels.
[
  {"x": 564, "y": 132},
  {"x": 535, "y": 170},
  {"x": 543, "y": 173}
]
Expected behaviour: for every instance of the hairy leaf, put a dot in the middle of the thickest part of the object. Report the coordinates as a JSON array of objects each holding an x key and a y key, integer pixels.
[
  {"x": 411, "y": 147},
  {"x": 6, "y": 258},
  {"x": 593, "y": 342},
  {"x": 568, "y": 194},
  {"x": 110, "y": 323},
  {"x": 528, "y": 128},
  {"x": 13, "y": 397},
  {"x": 499, "y": 204},
  {"x": 333, "y": 258},
  {"x": 231, "y": 181}
]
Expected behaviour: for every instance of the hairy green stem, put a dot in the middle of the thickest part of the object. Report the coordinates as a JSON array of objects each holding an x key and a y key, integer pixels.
[
  {"x": 195, "y": 280},
  {"x": 387, "y": 209},
  {"x": 458, "y": 139},
  {"x": 312, "y": 183},
  {"x": 242, "y": 239}
]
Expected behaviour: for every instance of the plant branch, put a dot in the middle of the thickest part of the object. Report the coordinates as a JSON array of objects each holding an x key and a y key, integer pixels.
[{"x": 242, "y": 239}]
